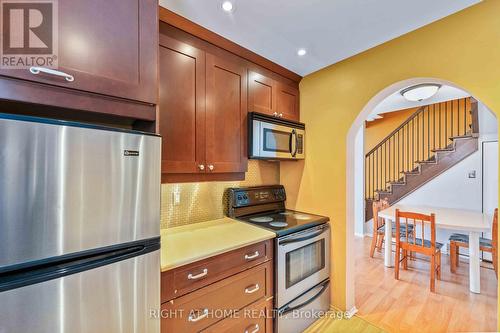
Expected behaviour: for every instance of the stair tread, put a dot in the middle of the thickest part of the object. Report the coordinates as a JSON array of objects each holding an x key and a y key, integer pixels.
[
  {"x": 443, "y": 149},
  {"x": 411, "y": 172},
  {"x": 467, "y": 136}
]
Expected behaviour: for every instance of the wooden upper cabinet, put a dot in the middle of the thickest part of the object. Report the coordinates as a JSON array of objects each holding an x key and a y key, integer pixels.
[
  {"x": 261, "y": 93},
  {"x": 268, "y": 96},
  {"x": 109, "y": 47},
  {"x": 181, "y": 106},
  {"x": 287, "y": 101},
  {"x": 202, "y": 113},
  {"x": 226, "y": 85}
]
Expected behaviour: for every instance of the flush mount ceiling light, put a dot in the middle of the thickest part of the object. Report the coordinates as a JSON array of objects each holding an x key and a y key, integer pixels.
[
  {"x": 301, "y": 52},
  {"x": 227, "y": 6},
  {"x": 420, "y": 92}
]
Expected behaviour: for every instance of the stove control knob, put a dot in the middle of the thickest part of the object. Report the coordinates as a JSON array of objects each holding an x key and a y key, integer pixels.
[{"x": 245, "y": 197}]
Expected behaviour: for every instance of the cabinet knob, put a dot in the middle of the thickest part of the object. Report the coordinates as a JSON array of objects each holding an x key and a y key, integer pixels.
[
  {"x": 201, "y": 167},
  {"x": 211, "y": 167}
]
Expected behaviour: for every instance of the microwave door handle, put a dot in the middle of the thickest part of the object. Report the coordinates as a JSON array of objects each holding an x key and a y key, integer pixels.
[
  {"x": 300, "y": 239},
  {"x": 293, "y": 143},
  {"x": 288, "y": 308}
]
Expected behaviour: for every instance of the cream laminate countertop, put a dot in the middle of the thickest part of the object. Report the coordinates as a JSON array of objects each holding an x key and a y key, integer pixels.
[{"x": 189, "y": 243}]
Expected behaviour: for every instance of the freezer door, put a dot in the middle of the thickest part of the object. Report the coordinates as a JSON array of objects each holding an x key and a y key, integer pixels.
[
  {"x": 66, "y": 189},
  {"x": 117, "y": 298}
]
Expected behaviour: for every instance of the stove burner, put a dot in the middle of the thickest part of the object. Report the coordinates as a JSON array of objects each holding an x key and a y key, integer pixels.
[
  {"x": 301, "y": 217},
  {"x": 261, "y": 219},
  {"x": 278, "y": 224}
]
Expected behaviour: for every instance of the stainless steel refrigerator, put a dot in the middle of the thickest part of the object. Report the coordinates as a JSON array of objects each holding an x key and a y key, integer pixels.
[{"x": 79, "y": 227}]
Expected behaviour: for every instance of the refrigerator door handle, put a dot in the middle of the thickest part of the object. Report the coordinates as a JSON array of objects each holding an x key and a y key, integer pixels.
[
  {"x": 289, "y": 308},
  {"x": 45, "y": 270}
]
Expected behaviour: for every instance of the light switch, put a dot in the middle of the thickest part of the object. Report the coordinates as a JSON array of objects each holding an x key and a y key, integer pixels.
[{"x": 472, "y": 174}]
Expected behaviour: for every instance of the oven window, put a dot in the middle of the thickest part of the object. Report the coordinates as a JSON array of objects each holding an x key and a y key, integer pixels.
[
  {"x": 304, "y": 262},
  {"x": 276, "y": 141}
]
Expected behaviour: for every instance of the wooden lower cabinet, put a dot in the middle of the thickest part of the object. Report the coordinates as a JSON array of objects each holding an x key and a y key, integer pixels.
[
  {"x": 183, "y": 280},
  {"x": 256, "y": 318},
  {"x": 241, "y": 301}
]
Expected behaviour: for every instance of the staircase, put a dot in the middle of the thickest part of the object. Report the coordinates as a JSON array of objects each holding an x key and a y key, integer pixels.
[{"x": 429, "y": 142}]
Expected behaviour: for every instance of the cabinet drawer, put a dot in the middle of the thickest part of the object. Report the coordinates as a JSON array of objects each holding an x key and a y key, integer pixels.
[
  {"x": 182, "y": 280},
  {"x": 202, "y": 308},
  {"x": 256, "y": 318}
]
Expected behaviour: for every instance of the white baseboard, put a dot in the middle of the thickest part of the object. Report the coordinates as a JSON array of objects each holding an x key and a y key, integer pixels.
[{"x": 351, "y": 312}]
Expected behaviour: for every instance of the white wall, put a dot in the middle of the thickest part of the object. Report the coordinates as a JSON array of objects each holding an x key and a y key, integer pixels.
[
  {"x": 452, "y": 189},
  {"x": 487, "y": 121}
]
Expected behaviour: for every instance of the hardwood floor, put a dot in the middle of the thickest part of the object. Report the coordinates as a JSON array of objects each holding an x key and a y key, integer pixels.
[
  {"x": 408, "y": 305},
  {"x": 352, "y": 325}
]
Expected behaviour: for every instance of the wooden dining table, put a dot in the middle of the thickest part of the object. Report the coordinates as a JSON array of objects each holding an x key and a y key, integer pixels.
[{"x": 459, "y": 220}]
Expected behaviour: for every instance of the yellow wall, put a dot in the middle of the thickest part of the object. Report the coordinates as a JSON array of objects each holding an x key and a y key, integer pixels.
[
  {"x": 379, "y": 129},
  {"x": 463, "y": 48}
]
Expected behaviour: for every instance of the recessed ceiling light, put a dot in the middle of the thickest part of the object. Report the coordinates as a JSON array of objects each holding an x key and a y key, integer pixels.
[
  {"x": 227, "y": 6},
  {"x": 301, "y": 52},
  {"x": 420, "y": 92}
]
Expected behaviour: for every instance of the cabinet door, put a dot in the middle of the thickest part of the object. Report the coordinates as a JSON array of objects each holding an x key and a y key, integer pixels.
[
  {"x": 181, "y": 106},
  {"x": 109, "y": 47},
  {"x": 261, "y": 94},
  {"x": 226, "y": 116},
  {"x": 287, "y": 102}
]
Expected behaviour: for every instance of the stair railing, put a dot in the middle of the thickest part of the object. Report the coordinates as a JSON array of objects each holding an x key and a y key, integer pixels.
[{"x": 416, "y": 140}]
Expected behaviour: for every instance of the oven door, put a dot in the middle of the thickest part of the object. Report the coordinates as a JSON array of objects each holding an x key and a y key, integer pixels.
[
  {"x": 303, "y": 261},
  {"x": 277, "y": 141}
]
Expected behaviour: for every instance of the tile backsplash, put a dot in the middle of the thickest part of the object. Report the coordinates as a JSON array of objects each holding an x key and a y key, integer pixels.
[{"x": 201, "y": 202}]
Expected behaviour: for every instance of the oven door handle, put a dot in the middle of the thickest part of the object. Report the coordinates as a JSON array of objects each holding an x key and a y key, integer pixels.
[
  {"x": 300, "y": 239},
  {"x": 288, "y": 308}
]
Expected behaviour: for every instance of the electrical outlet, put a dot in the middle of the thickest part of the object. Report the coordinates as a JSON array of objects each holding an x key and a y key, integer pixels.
[
  {"x": 472, "y": 174},
  {"x": 176, "y": 198}
]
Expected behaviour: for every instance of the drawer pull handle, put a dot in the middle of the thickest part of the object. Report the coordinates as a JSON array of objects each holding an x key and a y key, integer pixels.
[
  {"x": 256, "y": 328},
  {"x": 252, "y": 290},
  {"x": 38, "y": 70},
  {"x": 198, "y": 276},
  {"x": 194, "y": 319},
  {"x": 252, "y": 256}
]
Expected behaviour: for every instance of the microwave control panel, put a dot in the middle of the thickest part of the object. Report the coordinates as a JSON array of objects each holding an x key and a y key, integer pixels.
[{"x": 300, "y": 144}]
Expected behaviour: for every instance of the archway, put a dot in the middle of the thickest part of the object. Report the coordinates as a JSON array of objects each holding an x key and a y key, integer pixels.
[{"x": 352, "y": 184}]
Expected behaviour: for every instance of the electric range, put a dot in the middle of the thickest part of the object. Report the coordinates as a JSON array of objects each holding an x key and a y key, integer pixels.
[
  {"x": 301, "y": 254},
  {"x": 264, "y": 206}
]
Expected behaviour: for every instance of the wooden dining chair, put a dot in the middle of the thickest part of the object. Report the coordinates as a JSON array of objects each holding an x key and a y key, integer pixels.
[
  {"x": 485, "y": 244},
  {"x": 379, "y": 227},
  {"x": 409, "y": 242}
]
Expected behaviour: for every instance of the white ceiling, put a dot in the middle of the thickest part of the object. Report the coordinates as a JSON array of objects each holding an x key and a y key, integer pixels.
[
  {"x": 396, "y": 101},
  {"x": 330, "y": 30}
]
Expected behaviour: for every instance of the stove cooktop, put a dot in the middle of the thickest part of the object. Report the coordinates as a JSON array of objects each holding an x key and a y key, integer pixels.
[{"x": 284, "y": 222}]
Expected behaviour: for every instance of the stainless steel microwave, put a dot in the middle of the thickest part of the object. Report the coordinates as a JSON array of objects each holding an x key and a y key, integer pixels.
[{"x": 275, "y": 138}]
